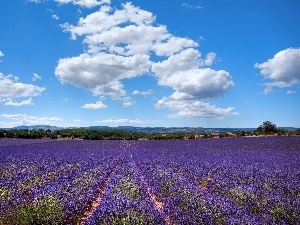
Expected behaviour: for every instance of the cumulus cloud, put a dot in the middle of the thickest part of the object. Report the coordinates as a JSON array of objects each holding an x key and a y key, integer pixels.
[
  {"x": 172, "y": 45},
  {"x": 12, "y": 120},
  {"x": 198, "y": 83},
  {"x": 186, "y": 74},
  {"x": 105, "y": 19},
  {"x": 183, "y": 61},
  {"x": 121, "y": 43},
  {"x": 187, "y": 108},
  {"x": 101, "y": 73},
  {"x": 83, "y": 3},
  {"x": 283, "y": 69},
  {"x": 183, "y": 72},
  {"x": 10, "y": 87},
  {"x": 22, "y": 103},
  {"x": 97, "y": 105}
]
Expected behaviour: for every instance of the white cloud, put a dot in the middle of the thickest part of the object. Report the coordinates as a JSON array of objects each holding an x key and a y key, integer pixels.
[
  {"x": 10, "y": 87},
  {"x": 56, "y": 17},
  {"x": 183, "y": 73},
  {"x": 12, "y": 120},
  {"x": 189, "y": 108},
  {"x": 1, "y": 55},
  {"x": 283, "y": 69},
  {"x": 210, "y": 58},
  {"x": 116, "y": 52},
  {"x": 198, "y": 83},
  {"x": 83, "y": 3},
  {"x": 290, "y": 92},
  {"x": 36, "y": 77},
  {"x": 189, "y": 6},
  {"x": 183, "y": 61},
  {"x": 144, "y": 93},
  {"x": 126, "y": 101},
  {"x": 22, "y": 103},
  {"x": 191, "y": 82},
  {"x": 129, "y": 40},
  {"x": 35, "y": 1},
  {"x": 93, "y": 71},
  {"x": 97, "y": 105},
  {"x": 120, "y": 45},
  {"x": 135, "y": 92},
  {"x": 124, "y": 121},
  {"x": 103, "y": 20},
  {"x": 101, "y": 73},
  {"x": 172, "y": 45}
]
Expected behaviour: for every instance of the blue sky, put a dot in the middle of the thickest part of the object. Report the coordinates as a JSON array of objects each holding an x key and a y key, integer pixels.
[{"x": 206, "y": 63}]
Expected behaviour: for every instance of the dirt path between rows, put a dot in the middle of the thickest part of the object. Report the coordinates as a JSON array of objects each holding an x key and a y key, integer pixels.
[
  {"x": 159, "y": 205},
  {"x": 97, "y": 201}
]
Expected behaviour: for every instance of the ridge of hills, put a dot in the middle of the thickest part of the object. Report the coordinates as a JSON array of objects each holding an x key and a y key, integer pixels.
[{"x": 146, "y": 129}]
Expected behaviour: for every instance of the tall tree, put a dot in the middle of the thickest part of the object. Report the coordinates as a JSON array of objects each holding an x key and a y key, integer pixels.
[{"x": 267, "y": 128}]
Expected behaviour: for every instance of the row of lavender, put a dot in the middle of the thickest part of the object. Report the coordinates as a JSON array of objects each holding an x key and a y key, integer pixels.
[
  {"x": 214, "y": 181},
  {"x": 52, "y": 182},
  {"x": 232, "y": 181}
]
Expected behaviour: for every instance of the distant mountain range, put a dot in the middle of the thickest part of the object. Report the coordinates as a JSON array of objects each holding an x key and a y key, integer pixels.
[
  {"x": 174, "y": 129},
  {"x": 35, "y": 127},
  {"x": 148, "y": 129}
]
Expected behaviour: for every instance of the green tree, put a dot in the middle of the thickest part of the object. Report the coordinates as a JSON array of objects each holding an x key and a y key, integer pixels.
[
  {"x": 267, "y": 128},
  {"x": 2, "y": 133}
]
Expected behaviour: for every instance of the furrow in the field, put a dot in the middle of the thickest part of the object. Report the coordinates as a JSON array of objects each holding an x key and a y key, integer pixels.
[
  {"x": 159, "y": 205},
  {"x": 96, "y": 202}
]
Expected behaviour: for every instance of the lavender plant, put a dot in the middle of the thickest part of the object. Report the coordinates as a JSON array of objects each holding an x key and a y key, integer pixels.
[{"x": 213, "y": 181}]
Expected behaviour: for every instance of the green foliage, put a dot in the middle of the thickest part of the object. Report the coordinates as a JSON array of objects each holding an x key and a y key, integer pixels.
[
  {"x": 128, "y": 218},
  {"x": 278, "y": 212},
  {"x": 129, "y": 189},
  {"x": 92, "y": 134},
  {"x": 205, "y": 182},
  {"x": 118, "y": 134},
  {"x": 2, "y": 133},
  {"x": 41, "y": 211},
  {"x": 166, "y": 188},
  {"x": 297, "y": 132},
  {"x": 5, "y": 194},
  {"x": 267, "y": 128}
]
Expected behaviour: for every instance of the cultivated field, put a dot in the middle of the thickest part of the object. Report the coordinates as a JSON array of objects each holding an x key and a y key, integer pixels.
[{"x": 209, "y": 181}]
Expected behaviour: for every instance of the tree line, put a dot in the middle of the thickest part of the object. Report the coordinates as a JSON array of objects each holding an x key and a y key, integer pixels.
[
  {"x": 267, "y": 128},
  {"x": 90, "y": 134}
]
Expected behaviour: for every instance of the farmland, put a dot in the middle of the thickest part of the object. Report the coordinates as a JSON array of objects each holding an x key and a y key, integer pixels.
[{"x": 209, "y": 181}]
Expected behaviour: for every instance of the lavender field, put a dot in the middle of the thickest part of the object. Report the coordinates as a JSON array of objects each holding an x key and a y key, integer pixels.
[{"x": 209, "y": 181}]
